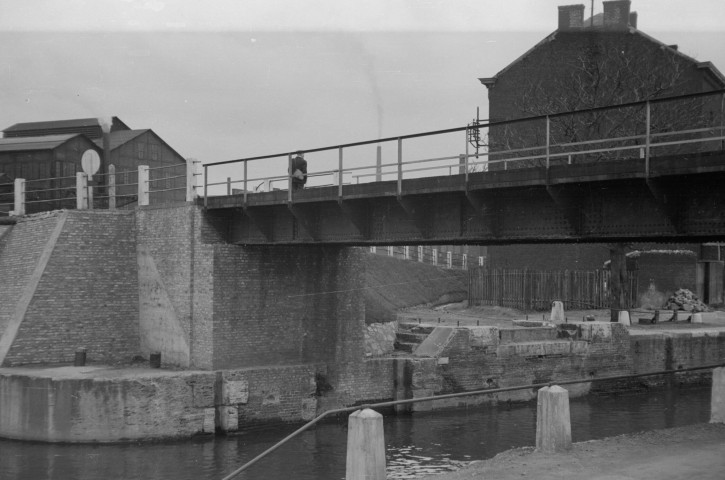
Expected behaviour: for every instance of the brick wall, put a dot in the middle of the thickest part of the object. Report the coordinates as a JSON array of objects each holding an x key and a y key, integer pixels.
[
  {"x": 669, "y": 272},
  {"x": 88, "y": 294},
  {"x": 548, "y": 257}
]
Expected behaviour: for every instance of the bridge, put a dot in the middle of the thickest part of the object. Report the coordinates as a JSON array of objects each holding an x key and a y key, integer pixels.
[{"x": 654, "y": 174}]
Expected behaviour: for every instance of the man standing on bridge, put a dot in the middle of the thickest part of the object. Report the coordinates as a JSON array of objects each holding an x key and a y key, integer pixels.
[{"x": 298, "y": 168}]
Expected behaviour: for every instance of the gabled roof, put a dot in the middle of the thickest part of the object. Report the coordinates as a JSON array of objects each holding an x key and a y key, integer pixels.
[
  {"x": 121, "y": 137},
  {"x": 61, "y": 124},
  {"x": 45, "y": 142},
  {"x": 707, "y": 66}
]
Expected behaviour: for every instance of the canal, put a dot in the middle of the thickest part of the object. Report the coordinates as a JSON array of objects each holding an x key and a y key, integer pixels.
[{"x": 419, "y": 444}]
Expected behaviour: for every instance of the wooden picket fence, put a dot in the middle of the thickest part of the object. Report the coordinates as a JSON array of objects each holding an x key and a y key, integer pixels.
[{"x": 531, "y": 290}]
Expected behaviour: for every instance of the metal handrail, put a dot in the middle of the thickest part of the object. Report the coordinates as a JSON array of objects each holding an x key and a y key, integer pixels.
[{"x": 453, "y": 395}]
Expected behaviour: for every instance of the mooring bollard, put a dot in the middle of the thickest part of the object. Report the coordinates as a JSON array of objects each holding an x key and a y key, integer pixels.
[
  {"x": 557, "y": 312},
  {"x": 624, "y": 318},
  {"x": 553, "y": 422},
  {"x": 365, "y": 446},
  {"x": 155, "y": 360},
  {"x": 717, "y": 403},
  {"x": 80, "y": 359}
]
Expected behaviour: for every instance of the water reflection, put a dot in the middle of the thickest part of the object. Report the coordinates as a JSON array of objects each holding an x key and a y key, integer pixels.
[{"x": 416, "y": 445}]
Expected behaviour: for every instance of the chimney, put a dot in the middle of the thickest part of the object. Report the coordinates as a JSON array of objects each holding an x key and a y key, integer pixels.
[
  {"x": 616, "y": 14},
  {"x": 106, "y": 125},
  {"x": 633, "y": 19},
  {"x": 571, "y": 16}
]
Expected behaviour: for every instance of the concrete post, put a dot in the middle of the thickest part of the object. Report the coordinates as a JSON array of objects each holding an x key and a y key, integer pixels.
[
  {"x": 111, "y": 187},
  {"x": 435, "y": 256},
  {"x": 391, "y": 251},
  {"x": 365, "y": 446},
  {"x": 143, "y": 185},
  {"x": 420, "y": 253},
  {"x": 449, "y": 259},
  {"x": 717, "y": 404},
  {"x": 557, "y": 312},
  {"x": 81, "y": 191},
  {"x": 19, "y": 189},
  {"x": 624, "y": 318},
  {"x": 191, "y": 180},
  {"x": 553, "y": 423},
  {"x": 406, "y": 252}
]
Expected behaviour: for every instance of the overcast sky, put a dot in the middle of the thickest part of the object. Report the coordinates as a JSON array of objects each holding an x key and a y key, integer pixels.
[{"x": 227, "y": 79}]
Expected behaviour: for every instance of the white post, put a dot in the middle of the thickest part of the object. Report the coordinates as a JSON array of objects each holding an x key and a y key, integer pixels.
[
  {"x": 19, "y": 189},
  {"x": 449, "y": 259},
  {"x": 464, "y": 262},
  {"x": 372, "y": 249},
  {"x": 143, "y": 185},
  {"x": 420, "y": 253},
  {"x": 406, "y": 252},
  {"x": 624, "y": 318},
  {"x": 553, "y": 422},
  {"x": 191, "y": 180},
  {"x": 111, "y": 187},
  {"x": 365, "y": 446},
  {"x": 435, "y": 256},
  {"x": 480, "y": 261},
  {"x": 81, "y": 191},
  {"x": 717, "y": 404},
  {"x": 391, "y": 251},
  {"x": 557, "y": 312}
]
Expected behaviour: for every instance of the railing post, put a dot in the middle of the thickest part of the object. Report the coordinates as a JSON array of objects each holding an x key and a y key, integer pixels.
[
  {"x": 245, "y": 183},
  {"x": 289, "y": 178},
  {"x": 406, "y": 252},
  {"x": 365, "y": 446},
  {"x": 717, "y": 405},
  {"x": 206, "y": 184},
  {"x": 400, "y": 166},
  {"x": 553, "y": 422},
  {"x": 548, "y": 141},
  {"x": 449, "y": 259},
  {"x": 190, "y": 180},
  {"x": 648, "y": 139},
  {"x": 19, "y": 190},
  {"x": 229, "y": 186},
  {"x": 81, "y": 191},
  {"x": 111, "y": 187},
  {"x": 143, "y": 185},
  {"x": 341, "y": 174},
  {"x": 435, "y": 256},
  {"x": 464, "y": 262},
  {"x": 420, "y": 253},
  {"x": 466, "y": 161}
]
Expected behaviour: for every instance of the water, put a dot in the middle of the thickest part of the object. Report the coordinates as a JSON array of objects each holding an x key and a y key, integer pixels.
[{"x": 416, "y": 445}]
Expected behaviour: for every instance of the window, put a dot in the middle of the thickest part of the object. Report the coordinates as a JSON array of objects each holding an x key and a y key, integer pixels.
[{"x": 141, "y": 150}]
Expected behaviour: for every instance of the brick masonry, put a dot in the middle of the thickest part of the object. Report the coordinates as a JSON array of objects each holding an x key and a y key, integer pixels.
[{"x": 87, "y": 296}]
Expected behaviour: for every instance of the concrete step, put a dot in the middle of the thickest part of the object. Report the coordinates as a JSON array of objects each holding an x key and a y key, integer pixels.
[
  {"x": 411, "y": 337},
  {"x": 414, "y": 328},
  {"x": 529, "y": 334},
  {"x": 405, "y": 346}
]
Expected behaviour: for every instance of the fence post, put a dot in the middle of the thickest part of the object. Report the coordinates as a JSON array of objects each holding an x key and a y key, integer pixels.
[
  {"x": 435, "y": 256},
  {"x": 190, "y": 180},
  {"x": 548, "y": 141},
  {"x": 81, "y": 191},
  {"x": 372, "y": 249},
  {"x": 553, "y": 423},
  {"x": 717, "y": 404},
  {"x": 341, "y": 174},
  {"x": 464, "y": 262},
  {"x": 143, "y": 185},
  {"x": 648, "y": 139},
  {"x": 19, "y": 190},
  {"x": 400, "y": 167},
  {"x": 391, "y": 251},
  {"x": 420, "y": 253},
  {"x": 449, "y": 259},
  {"x": 90, "y": 194},
  {"x": 365, "y": 446},
  {"x": 111, "y": 187},
  {"x": 406, "y": 252}
]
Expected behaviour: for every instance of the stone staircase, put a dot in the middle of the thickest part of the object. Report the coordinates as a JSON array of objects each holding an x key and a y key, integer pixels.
[{"x": 410, "y": 335}]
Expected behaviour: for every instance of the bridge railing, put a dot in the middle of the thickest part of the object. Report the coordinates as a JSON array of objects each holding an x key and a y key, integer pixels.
[
  {"x": 108, "y": 190},
  {"x": 430, "y": 255},
  {"x": 645, "y": 129}
]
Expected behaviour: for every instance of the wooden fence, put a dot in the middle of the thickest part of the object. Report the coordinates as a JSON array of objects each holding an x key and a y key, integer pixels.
[{"x": 531, "y": 290}]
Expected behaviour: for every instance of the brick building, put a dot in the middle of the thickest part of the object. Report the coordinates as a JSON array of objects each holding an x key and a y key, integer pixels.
[
  {"x": 53, "y": 149},
  {"x": 588, "y": 63}
]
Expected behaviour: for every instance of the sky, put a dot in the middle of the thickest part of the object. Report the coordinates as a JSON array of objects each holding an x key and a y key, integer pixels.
[{"x": 228, "y": 79}]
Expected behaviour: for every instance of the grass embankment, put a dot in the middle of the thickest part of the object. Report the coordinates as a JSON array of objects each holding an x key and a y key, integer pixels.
[{"x": 392, "y": 284}]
